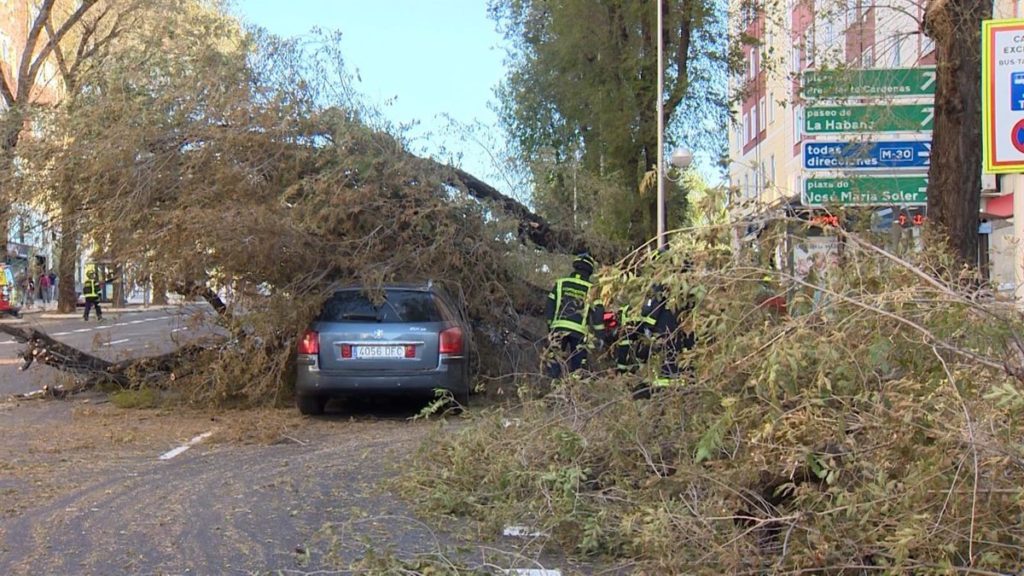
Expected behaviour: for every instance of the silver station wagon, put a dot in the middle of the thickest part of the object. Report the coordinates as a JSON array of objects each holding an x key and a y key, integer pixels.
[{"x": 414, "y": 340}]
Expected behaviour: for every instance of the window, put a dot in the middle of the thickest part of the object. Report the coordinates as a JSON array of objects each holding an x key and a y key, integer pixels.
[
  {"x": 927, "y": 45},
  {"x": 398, "y": 306},
  {"x": 771, "y": 108},
  {"x": 798, "y": 122},
  {"x": 867, "y": 58},
  {"x": 746, "y": 128},
  {"x": 771, "y": 170},
  {"x": 897, "y": 51},
  {"x": 760, "y": 115}
]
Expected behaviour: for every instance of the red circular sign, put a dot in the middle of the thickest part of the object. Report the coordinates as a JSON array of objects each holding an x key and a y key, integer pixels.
[{"x": 1017, "y": 136}]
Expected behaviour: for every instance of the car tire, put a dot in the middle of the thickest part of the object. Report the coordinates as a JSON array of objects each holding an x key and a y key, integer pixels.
[
  {"x": 310, "y": 405},
  {"x": 462, "y": 398}
]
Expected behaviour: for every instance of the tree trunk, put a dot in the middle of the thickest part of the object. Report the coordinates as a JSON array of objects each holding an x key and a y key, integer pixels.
[
  {"x": 954, "y": 178},
  {"x": 159, "y": 290},
  {"x": 67, "y": 296}
]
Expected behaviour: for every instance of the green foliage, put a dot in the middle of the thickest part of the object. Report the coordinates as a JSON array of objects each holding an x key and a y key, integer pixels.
[
  {"x": 580, "y": 101},
  {"x": 141, "y": 398},
  {"x": 878, "y": 430}
]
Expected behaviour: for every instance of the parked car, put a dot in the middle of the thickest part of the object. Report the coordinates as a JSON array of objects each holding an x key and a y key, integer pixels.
[{"x": 414, "y": 341}]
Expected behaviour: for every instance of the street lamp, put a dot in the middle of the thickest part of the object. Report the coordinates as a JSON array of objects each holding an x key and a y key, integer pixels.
[{"x": 680, "y": 157}]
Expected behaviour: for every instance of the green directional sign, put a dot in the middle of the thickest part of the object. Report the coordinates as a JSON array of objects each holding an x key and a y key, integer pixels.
[
  {"x": 870, "y": 83},
  {"x": 866, "y": 191},
  {"x": 868, "y": 118}
]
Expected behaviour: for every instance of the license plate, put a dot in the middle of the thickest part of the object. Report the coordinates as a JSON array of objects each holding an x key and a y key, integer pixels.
[{"x": 378, "y": 351}]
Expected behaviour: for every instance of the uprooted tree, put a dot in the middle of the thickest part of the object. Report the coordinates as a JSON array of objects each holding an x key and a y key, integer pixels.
[
  {"x": 862, "y": 420},
  {"x": 231, "y": 161}
]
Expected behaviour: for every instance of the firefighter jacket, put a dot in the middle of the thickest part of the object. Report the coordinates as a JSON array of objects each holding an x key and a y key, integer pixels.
[
  {"x": 91, "y": 289},
  {"x": 570, "y": 309}
]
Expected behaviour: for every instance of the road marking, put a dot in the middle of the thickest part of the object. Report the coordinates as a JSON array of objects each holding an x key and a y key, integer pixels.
[
  {"x": 521, "y": 532},
  {"x": 172, "y": 453},
  {"x": 121, "y": 341},
  {"x": 9, "y": 342},
  {"x": 60, "y": 333},
  {"x": 82, "y": 330},
  {"x": 179, "y": 329},
  {"x": 534, "y": 572},
  {"x": 136, "y": 321}
]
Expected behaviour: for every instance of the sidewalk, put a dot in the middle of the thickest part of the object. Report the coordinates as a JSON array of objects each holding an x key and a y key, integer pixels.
[{"x": 40, "y": 310}]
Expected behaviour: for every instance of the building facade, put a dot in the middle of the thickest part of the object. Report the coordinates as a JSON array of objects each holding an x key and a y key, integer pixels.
[
  {"x": 838, "y": 93},
  {"x": 29, "y": 244}
]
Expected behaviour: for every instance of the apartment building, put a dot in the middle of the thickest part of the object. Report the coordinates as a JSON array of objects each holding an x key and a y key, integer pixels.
[
  {"x": 784, "y": 147},
  {"x": 767, "y": 142},
  {"x": 29, "y": 241}
]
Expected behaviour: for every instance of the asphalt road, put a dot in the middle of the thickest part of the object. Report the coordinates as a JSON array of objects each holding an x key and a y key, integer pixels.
[
  {"x": 88, "y": 488},
  {"x": 119, "y": 336}
]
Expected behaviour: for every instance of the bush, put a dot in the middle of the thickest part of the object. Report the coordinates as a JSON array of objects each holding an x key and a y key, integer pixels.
[{"x": 874, "y": 429}]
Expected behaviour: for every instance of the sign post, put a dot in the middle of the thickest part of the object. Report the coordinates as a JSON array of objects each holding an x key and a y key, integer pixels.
[
  {"x": 825, "y": 155},
  {"x": 1002, "y": 98},
  {"x": 866, "y": 191},
  {"x": 868, "y": 118},
  {"x": 869, "y": 83}
]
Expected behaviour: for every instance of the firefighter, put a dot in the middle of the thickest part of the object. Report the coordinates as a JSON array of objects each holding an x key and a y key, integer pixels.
[
  {"x": 91, "y": 292},
  {"x": 631, "y": 348},
  {"x": 669, "y": 338},
  {"x": 572, "y": 317}
]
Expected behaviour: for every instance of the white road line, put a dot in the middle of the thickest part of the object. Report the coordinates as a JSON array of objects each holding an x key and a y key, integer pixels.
[
  {"x": 8, "y": 342},
  {"x": 533, "y": 572},
  {"x": 121, "y": 341},
  {"x": 521, "y": 531},
  {"x": 172, "y": 453},
  {"x": 80, "y": 330},
  {"x": 136, "y": 321},
  {"x": 60, "y": 333},
  {"x": 178, "y": 329}
]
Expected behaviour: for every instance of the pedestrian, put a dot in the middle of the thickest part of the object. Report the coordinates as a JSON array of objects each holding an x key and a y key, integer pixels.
[
  {"x": 53, "y": 286},
  {"x": 44, "y": 287},
  {"x": 27, "y": 287},
  {"x": 571, "y": 318},
  {"x": 91, "y": 293}
]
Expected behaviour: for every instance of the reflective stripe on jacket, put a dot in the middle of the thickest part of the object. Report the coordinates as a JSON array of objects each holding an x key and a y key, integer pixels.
[
  {"x": 91, "y": 289},
  {"x": 571, "y": 308}
]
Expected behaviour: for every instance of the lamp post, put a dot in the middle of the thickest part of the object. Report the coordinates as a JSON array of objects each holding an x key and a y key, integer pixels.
[{"x": 680, "y": 158}]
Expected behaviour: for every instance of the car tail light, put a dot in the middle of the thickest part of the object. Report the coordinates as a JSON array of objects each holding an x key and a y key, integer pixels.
[
  {"x": 346, "y": 350},
  {"x": 451, "y": 341},
  {"x": 310, "y": 343}
]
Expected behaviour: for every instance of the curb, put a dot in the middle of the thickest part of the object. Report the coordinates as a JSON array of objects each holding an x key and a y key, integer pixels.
[{"x": 51, "y": 315}]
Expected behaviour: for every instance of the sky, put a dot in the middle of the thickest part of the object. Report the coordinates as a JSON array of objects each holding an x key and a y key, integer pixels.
[{"x": 416, "y": 60}]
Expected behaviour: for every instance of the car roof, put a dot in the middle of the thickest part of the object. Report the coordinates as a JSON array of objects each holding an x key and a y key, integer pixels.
[{"x": 414, "y": 286}]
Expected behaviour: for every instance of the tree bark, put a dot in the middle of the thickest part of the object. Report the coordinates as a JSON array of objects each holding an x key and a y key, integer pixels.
[
  {"x": 67, "y": 295},
  {"x": 954, "y": 177},
  {"x": 159, "y": 290}
]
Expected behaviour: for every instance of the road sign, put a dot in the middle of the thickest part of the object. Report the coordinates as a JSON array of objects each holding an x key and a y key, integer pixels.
[
  {"x": 868, "y": 118},
  {"x": 869, "y": 83},
  {"x": 866, "y": 191},
  {"x": 820, "y": 155},
  {"x": 1002, "y": 99}
]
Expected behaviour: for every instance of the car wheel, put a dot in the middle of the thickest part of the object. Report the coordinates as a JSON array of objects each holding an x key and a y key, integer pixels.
[
  {"x": 462, "y": 398},
  {"x": 310, "y": 405}
]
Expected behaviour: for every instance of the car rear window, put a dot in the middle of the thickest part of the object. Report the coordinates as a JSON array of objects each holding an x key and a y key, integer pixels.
[{"x": 398, "y": 306}]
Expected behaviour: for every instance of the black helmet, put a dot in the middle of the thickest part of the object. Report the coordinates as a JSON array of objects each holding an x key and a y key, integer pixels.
[{"x": 584, "y": 263}]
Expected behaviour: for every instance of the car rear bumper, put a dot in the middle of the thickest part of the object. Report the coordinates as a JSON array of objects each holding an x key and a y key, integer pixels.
[{"x": 449, "y": 375}]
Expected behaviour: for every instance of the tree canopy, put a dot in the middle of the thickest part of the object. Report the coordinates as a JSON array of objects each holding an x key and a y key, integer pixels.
[{"x": 580, "y": 102}]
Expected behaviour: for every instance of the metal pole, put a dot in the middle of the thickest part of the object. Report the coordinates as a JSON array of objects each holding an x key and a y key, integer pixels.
[{"x": 661, "y": 133}]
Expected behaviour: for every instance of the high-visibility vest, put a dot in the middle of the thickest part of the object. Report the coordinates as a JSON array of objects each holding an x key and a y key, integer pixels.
[
  {"x": 572, "y": 309},
  {"x": 91, "y": 289}
]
